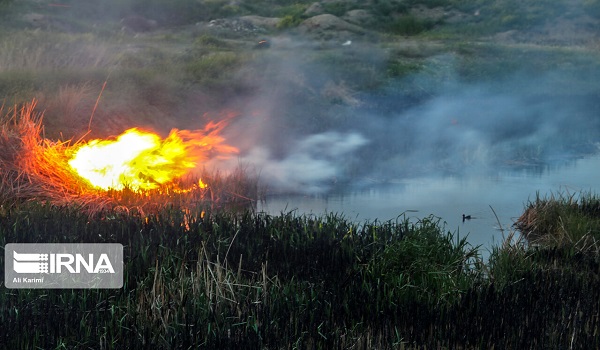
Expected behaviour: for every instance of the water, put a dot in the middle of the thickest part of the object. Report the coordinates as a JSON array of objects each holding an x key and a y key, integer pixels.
[{"x": 448, "y": 198}]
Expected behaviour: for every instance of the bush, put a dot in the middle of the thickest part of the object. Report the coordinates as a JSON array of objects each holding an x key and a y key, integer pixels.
[
  {"x": 410, "y": 25},
  {"x": 288, "y": 21}
]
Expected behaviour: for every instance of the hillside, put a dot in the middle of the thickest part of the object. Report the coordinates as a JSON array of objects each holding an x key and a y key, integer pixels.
[{"x": 560, "y": 21}]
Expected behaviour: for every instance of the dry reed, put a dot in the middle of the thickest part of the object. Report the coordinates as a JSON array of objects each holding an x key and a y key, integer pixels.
[{"x": 35, "y": 168}]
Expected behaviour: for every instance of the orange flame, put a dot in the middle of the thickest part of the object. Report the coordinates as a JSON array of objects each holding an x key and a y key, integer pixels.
[{"x": 141, "y": 160}]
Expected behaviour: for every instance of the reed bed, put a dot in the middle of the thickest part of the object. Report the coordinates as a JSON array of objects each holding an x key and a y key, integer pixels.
[{"x": 202, "y": 278}]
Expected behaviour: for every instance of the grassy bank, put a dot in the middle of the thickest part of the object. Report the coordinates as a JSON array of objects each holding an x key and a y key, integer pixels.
[
  {"x": 207, "y": 279},
  {"x": 563, "y": 220}
]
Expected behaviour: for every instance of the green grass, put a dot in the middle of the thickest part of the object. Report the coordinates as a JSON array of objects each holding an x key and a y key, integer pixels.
[
  {"x": 211, "y": 279},
  {"x": 250, "y": 279}
]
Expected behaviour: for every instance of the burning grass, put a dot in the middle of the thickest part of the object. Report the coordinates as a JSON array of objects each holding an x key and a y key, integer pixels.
[{"x": 33, "y": 168}]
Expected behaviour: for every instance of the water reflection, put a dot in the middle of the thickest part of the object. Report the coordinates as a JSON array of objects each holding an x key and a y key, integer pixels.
[{"x": 449, "y": 197}]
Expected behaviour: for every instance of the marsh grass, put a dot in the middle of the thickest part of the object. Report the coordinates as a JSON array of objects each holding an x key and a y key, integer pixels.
[
  {"x": 563, "y": 220},
  {"x": 410, "y": 265},
  {"x": 213, "y": 279},
  {"x": 203, "y": 278},
  {"x": 511, "y": 258}
]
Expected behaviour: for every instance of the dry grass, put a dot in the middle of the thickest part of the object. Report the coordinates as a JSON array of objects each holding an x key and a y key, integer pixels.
[
  {"x": 561, "y": 220},
  {"x": 33, "y": 168},
  {"x": 38, "y": 50}
]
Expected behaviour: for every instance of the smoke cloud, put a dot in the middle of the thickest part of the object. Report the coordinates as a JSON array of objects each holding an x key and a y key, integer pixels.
[
  {"x": 299, "y": 143},
  {"x": 313, "y": 165}
]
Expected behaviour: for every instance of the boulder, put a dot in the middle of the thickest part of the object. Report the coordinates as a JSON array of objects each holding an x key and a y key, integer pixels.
[
  {"x": 262, "y": 22},
  {"x": 315, "y": 9},
  {"x": 329, "y": 23},
  {"x": 358, "y": 17}
]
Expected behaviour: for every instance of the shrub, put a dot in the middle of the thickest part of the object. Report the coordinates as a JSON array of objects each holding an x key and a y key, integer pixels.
[
  {"x": 410, "y": 25},
  {"x": 288, "y": 21}
]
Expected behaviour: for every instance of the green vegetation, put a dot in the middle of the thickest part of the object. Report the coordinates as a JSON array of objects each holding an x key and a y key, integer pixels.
[
  {"x": 410, "y": 25},
  {"x": 563, "y": 220},
  {"x": 212, "y": 279},
  {"x": 288, "y": 21}
]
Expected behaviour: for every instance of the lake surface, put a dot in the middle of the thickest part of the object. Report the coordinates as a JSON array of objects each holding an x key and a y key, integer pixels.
[{"x": 507, "y": 192}]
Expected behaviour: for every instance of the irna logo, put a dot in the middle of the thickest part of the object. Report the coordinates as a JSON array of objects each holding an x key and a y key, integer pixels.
[
  {"x": 73, "y": 265},
  {"x": 57, "y": 263}
]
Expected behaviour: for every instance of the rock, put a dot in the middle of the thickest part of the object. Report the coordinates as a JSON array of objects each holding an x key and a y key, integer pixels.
[
  {"x": 315, "y": 9},
  {"x": 263, "y": 22},
  {"x": 358, "y": 17},
  {"x": 438, "y": 14},
  {"x": 237, "y": 25},
  {"x": 46, "y": 22},
  {"x": 35, "y": 19},
  {"x": 509, "y": 36},
  {"x": 327, "y": 22}
]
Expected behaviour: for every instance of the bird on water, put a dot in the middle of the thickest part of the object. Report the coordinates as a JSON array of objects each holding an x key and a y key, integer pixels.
[{"x": 466, "y": 217}]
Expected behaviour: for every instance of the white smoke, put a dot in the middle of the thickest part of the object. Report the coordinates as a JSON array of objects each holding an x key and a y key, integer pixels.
[{"x": 313, "y": 165}]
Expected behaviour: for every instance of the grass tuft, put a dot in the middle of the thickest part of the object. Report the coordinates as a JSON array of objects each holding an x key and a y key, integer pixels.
[{"x": 563, "y": 220}]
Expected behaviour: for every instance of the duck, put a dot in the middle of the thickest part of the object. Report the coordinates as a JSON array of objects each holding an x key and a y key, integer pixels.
[{"x": 466, "y": 217}]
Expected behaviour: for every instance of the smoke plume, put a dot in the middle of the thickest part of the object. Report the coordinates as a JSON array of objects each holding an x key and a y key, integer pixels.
[{"x": 301, "y": 141}]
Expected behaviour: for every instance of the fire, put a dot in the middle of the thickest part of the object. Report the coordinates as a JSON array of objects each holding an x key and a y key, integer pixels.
[{"x": 142, "y": 160}]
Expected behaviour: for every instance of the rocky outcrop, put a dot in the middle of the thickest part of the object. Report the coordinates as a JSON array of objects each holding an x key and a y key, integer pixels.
[
  {"x": 315, "y": 9},
  {"x": 328, "y": 23},
  {"x": 236, "y": 25},
  {"x": 359, "y": 17},
  {"x": 262, "y": 22}
]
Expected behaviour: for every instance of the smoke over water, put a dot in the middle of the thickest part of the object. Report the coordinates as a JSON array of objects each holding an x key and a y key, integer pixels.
[
  {"x": 312, "y": 165},
  {"x": 300, "y": 141},
  {"x": 485, "y": 127}
]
